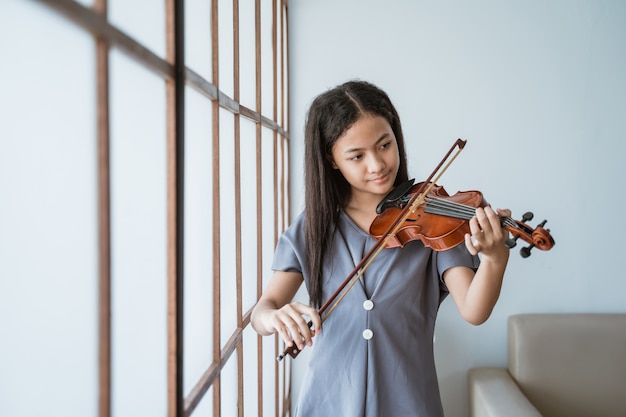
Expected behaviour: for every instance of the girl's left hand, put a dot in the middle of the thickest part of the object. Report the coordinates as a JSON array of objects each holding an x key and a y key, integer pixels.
[{"x": 487, "y": 234}]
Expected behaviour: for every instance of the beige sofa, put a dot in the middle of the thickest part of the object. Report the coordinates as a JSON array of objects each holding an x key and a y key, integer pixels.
[{"x": 559, "y": 365}]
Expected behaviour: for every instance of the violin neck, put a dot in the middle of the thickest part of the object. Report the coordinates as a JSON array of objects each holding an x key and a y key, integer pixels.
[
  {"x": 458, "y": 211},
  {"x": 448, "y": 208}
]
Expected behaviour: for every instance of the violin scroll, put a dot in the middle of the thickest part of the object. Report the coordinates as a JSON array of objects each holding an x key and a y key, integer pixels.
[{"x": 539, "y": 237}]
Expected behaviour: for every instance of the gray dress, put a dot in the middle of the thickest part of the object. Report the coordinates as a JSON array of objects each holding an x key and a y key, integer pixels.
[{"x": 374, "y": 356}]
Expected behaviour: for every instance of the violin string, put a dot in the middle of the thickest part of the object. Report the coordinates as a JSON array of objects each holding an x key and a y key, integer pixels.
[
  {"x": 448, "y": 208},
  {"x": 443, "y": 207}
]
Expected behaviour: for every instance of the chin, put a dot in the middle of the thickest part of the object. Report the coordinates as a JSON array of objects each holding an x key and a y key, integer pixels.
[{"x": 383, "y": 189}]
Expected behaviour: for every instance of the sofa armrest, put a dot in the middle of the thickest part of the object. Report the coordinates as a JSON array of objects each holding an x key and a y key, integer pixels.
[{"x": 494, "y": 393}]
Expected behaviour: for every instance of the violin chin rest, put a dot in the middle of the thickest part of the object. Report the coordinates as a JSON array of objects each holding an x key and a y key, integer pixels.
[{"x": 392, "y": 198}]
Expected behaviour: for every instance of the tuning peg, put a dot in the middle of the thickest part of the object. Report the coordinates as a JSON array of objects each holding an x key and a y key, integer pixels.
[
  {"x": 511, "y": 242},
  {"x": 528, "y": 216},
  {"x": 525, "y": 252}
]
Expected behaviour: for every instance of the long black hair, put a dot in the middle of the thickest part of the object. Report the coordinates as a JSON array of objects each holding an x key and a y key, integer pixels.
[{"x": 327, "y": 191}]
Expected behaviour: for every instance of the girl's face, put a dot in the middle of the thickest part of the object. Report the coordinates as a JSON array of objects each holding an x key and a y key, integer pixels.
[{"x": 367, "y": 156}]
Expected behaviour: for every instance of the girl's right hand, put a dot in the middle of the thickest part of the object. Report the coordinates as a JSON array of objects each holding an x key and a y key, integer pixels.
[{"x": 290, "y": 322}]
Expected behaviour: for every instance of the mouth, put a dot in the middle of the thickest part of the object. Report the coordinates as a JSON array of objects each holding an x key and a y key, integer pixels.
[{"x": 381, "y": 179}]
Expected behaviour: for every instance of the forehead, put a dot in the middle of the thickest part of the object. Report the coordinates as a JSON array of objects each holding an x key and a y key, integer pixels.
[{"x": 366, "y": 131}]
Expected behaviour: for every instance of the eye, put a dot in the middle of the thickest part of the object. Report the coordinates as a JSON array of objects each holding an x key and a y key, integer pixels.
[
  {"x": 385, "y": 145},
  {"x": 356, "y": 157}
]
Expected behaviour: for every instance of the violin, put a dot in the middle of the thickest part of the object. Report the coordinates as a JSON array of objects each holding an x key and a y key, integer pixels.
[
  {"x": 426, "y": 212},
  {"x": 442, "y": 221}
]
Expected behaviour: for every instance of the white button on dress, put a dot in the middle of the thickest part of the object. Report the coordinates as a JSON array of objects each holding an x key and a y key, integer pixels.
[
  {"x": 368, "y": 305},
  {"x": 368, "y": 334}
]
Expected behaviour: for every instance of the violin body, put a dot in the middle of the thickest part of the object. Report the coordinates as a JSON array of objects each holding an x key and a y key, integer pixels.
[{"x": 435, "y": 231}]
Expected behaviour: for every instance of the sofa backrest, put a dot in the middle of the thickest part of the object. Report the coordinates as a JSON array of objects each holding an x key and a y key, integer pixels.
[{"x": 570, "y": 365}]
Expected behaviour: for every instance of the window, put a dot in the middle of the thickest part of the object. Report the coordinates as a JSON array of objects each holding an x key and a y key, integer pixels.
[{"x": 152, "y": 183}]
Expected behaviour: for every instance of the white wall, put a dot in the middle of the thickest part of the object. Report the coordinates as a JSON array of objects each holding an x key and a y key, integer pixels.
[{"x": 538, "y": 90}]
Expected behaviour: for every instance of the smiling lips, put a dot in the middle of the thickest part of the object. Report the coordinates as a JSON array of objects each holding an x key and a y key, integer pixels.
[{"x": 380, "y": 179}]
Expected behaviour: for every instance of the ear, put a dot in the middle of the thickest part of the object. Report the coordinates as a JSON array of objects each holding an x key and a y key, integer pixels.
[{"x": 332, "y": 161}]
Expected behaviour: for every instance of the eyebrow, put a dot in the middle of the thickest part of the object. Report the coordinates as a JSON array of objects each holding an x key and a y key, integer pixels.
[{"x": 381, "y": 139}]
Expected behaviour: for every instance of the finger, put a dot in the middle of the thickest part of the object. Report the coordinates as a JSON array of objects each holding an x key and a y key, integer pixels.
[
  {"x": 491, "y": 215},
  {"x": 486, "y": 218},
  {"x": 282, "y": 329},
  {"x": 310, "y": 312},
  {"x": 486, "y": 230},
  {"x": 288, "y": 324},
  {"x": 505, "y": 231},
  {"x": 313, "y": 325},
  {"x": 469, "y": 243},
  {"x": 298, "y": 324},
  {"x": 504, "y": 212},
  {"x": 495, "y": 225},
  {"x": 299, "y": 330},
  {"x": 316, "y": 320},
  {"x": 474, "y": 224}
]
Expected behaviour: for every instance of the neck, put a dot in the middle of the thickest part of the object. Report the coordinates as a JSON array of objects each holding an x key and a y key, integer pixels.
[
  {"x": 362, "y": 210},
  {"x": 364, "y": 201}
]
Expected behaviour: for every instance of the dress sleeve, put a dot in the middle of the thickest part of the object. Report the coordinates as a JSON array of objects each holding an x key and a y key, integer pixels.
[
  {"x": 290, "y": 250},
  {"x": 457, "y": 256}
]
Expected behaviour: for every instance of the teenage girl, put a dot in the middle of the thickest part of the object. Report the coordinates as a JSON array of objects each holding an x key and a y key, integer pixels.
[{"x": 374, "y": 356}]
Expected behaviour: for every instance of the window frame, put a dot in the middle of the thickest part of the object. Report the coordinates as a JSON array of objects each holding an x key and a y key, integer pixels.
[{"x": 177, "y": 77}]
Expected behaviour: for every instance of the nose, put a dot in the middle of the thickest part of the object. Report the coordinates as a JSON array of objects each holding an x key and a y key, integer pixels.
[{"x": 376, "y": 164}]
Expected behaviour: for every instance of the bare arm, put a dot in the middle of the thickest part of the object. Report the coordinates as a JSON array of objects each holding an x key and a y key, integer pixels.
[
  {"x": 274, "y": 312},
  {"x": 475, "y": 295}
]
